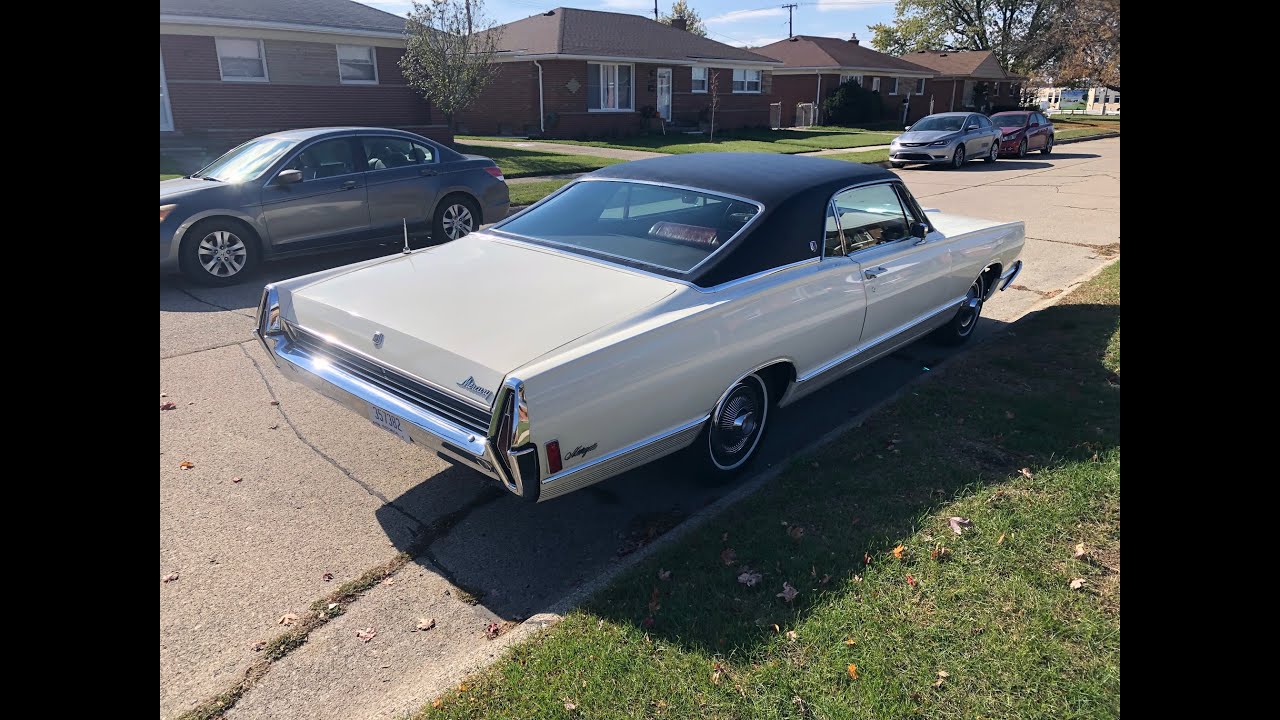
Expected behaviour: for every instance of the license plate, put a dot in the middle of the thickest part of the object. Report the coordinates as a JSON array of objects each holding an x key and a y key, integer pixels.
[{"x": 390, "y": 423}]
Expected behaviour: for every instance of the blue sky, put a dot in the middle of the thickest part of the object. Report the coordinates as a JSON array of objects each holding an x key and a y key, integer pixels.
[{"x": 736, "y": 22}]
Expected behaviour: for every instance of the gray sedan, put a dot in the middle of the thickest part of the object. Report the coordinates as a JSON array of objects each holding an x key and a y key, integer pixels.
[
  {"x": 306, "y": 191},
  {"x": 946, "y": 139}
]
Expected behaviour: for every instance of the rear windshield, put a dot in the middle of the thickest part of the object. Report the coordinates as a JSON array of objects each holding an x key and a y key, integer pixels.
[
  {"x": 1010, "y": 121},
  {"x": 656, "y": 227},
  {"x": 940, "y": 122}
]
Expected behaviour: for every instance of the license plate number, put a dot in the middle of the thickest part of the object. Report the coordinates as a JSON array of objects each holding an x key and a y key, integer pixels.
[{"x": 389, "y": 422}]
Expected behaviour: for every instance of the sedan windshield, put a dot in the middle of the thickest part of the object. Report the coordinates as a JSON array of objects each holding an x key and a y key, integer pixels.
[
  {"x": 939, "y": 122},
  {"x": 666, "y": 229},
  {"x": 248, "y": 161},
  {"x": 1016, "y": 120}
]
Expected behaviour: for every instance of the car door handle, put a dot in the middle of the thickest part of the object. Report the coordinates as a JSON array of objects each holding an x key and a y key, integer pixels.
[
  {"x": 874, "y": 273},
  {"x": 428, "y": 172},
  {"x": 349, "y": 185}
]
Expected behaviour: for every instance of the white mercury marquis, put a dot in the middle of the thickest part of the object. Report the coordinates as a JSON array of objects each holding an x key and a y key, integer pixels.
[{"x": 650, "y": 307}]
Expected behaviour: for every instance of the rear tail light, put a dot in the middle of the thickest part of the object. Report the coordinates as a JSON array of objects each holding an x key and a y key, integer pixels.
[
  {"x": 553, "y": 457},
  {"x": 495, "y": 171}
]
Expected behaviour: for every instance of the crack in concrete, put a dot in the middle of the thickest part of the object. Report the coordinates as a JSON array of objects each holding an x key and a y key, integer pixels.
[
  {"x": 1010, "y": 184},
  {"x": 1077, "y": 207},
  {"x": 1108, "y": 250},
  {"x": 201, "y": 300},
  {"x": 214, "y": 347}
]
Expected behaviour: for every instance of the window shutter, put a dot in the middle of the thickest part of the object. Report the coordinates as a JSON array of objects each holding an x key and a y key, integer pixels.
[
  {"x": 593, "y": 86},
  {"x": 766, "y": 81}
]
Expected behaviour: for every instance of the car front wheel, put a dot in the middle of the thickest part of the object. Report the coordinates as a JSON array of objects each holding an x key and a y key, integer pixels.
[
  {"x": 994, "y": 152},
  {"x": 1022, "y": 148},
  {"x": 1048, "y": 147},
  {"x": 729, "y": 439},
  {"x": 456, "y": 216},
  {"x": 218, "y": 251},
  {"x": 957, "y": 160}
]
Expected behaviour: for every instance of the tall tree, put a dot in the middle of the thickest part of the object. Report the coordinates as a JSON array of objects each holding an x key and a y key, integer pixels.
[
  {"x": 1090, "y": 35},
  {"x": 1021, "y": 33},
  {"x": 680, "y": 8},
  {"x": 449, "y": 49}
]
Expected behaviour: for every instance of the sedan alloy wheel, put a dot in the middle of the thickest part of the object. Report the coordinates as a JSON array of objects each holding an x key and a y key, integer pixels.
[
  {"x": 222, "y": 253},
  {"x": 458, "y": 221}
]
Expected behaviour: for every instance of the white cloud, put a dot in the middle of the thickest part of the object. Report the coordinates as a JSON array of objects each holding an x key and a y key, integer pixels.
[
  {"x": 628, "y": 4},
  {"x": 740, "y": 15},
  {"x": 835, "y": 5},
  {"x": 753, "y": 42}
]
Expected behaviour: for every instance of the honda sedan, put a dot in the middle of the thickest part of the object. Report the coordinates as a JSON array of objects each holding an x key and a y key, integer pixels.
[{"x": 305, "y": 191}]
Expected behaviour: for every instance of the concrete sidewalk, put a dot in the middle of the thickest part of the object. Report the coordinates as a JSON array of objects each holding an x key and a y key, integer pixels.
[{"x": 566, "y": 149}]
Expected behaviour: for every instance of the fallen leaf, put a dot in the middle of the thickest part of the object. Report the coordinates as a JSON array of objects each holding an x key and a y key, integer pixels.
[
  {"x": 327, "y": 577},
  {"x": 1000, "y": 539},
  {"x": 367, "y": 634},
  {"x": 1026, "y": 473},
  {"x": 911, "y": 580},
  {"x": 940, "y": 553},
  {"x": 169, "y": 578},
  {"x": 491, "y": 630},
  {"x": 850, "y": 642},
  {"x": 776, "y": 628},
  {"x": 275, "y": 402},
  {"x": 259, "y": 646},
  {"x": 462, "y": 687},
  {"x": 169, "y": 406},
  {"x": 853, "y": 671},
  {"x": 186, "y": 464},
  {"x": 728, "y": 556},
  {"x": 273, "y": 427},
  {"x": 287, "y": 619},
  {"x": 236, "y": 479},
  {"x": 796, "y": 532},
  {"x": 437, "y": 703},
  {"x": 958, "y": 524},
  {"x": 942, "y": 677},
  {"x": 857, "y": 578},
  {"x": 332, "y": 606},
  {"x": 866, "y": 558},
  {"x": 900, "y": 552},
  {"x": 654, "y": 598},
  {"x": 570, "y": 706},
  {"x": 164, "y": 394},
  {"x": 717, "y": 671},
  {"x": 664, "y": 574},
  {"x": 788, "y": 593},
  {"x": 1080, "y": 553},
  {"x": 426, "y": 623},
  {"x": 791, "y": 635},
  {"x": 1078, "y": 583},
  {"x": 825, "y": 579}
]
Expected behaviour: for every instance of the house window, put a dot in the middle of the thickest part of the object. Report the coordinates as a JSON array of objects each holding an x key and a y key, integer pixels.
[
  {"x": 241, "y": 60},
  {"x": 746, "y": 81},
  {"x": 893, "y": 86},
  {"x": 846, "y": 77},
  {"x": 875, "y": 84},
  {"x": 356, "y": 65},
  {"x": 609, "y": 87},
  {"x": 920, "y": 86},
  {"x": 699, "y": 79}
]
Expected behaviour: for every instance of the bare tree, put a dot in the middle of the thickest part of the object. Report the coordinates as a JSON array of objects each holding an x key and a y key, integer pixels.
[
  {"x": 449, "y": 50},
  {"x": 713, "y": 90}
]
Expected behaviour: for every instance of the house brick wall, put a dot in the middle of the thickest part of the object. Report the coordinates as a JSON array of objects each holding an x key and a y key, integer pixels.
[
  {"x": 509, "y": 106},
  {"x": 304, "y": 91},
  {"x": 793, "y": 89}
]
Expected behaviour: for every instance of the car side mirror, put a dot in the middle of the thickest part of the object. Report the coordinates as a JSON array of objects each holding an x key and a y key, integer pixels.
[
  {"x": 918, "y": 231},
  {"x": 289, "y": 177},
  {"x": 973, "y": 126},
  {"x": 907, "y": 127},
  {"x": 1034, "y": 125}
]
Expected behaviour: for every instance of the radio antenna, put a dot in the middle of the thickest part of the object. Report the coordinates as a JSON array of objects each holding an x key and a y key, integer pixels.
[{"x": 406, "y": 236}]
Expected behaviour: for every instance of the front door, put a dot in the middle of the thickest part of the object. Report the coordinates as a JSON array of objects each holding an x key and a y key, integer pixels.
[
  {"x": 403, "y": 181},
  {"x": 664, "y": 93},
  {"x": 904, "y": 278},
  {"x": 329, "y": 206}
]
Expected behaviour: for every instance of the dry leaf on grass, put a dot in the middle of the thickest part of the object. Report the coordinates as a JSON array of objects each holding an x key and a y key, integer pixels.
[
  {"x": 169, "y": 406},
  {"x": 186, "y": 464},
  {"x": 900, "y": 552},
  {"x": 911, "y": 580},
  {"x": 654, "y": 598},
  {"x": 750, "y": 578},
  {"x": 1000, "y": 539},
  {"x": 942, "y": 677},
  {"x": 426, "y": 623},
  {"x": 958, "y": 524},
  {"x": 853, "y": 671},
  {"x": 367, "y": 634},
  {"x": 492, "y": 630},
  {"x": 728, "y": 556},
  {"x": 940, "y": 553},
  {"x": 462, "y": 687},
  {"x": 866, "y": 558},
  {"x": 788, "y": 593},
  {"x": 260, "y": 646},
  {"x": 791, "y": 635},
  {"x": 169, "y": 578},
  {"x": 1026, "y": 473},
  {"x": 287, "y": 619},
  {"x": 1081, "y": 552},
  {"x": 327, "y": 577},
  {"x": 437, "y": 703},
  {"x": 717, "y": 672},
  {"x": 664, "y": 574},
  {"x": 570, "y": 706},
  {"x": 825, "y": 579},
  {"x": 796, "y": 532},
  {"x": 850, "y": 642},
  {"x": 1078, "y": 583}
]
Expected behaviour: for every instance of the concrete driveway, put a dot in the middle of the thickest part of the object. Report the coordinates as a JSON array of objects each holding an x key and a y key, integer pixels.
[{"x": 287, "y": 489}]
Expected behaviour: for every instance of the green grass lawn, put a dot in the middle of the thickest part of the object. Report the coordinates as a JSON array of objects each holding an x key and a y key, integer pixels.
[
  {"x": 766, "y": 141},
  {"x": 517, "y": 162},
  {"x": 1021, "y": 437},
  {"x": 1075, "y": 132},
  {"x": 869, "y": 156},
  {"x": 164, "y": 177},
  {"x": 530, "y": 193}
]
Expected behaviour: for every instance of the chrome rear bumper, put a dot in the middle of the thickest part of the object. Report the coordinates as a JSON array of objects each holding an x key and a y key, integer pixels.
[{"x": 1007, "y": 278}]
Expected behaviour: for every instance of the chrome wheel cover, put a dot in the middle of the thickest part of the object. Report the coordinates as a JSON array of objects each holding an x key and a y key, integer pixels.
[
  {"x": 738, "y": 423},
  {"x": 222, "y": 253},
  {"x": 958, "y": 159},
  {"x": 457, "y": 221}
]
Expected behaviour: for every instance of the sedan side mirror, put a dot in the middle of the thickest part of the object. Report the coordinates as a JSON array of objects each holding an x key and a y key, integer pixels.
[
  {"x": 1034, "y": 125},
  {"x": 907, "y": 127},
  {"x": 918, "y": 231},
  {"x": 971, "y": 126},
  {"x": 289, "y": 177}
]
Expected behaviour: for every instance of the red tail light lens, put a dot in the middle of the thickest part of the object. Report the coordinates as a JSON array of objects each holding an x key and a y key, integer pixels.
[
  {"x": 495, "y": 171},
  {"x": 553, "y": 457}
]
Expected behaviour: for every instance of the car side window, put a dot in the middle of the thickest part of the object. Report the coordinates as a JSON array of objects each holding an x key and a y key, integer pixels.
[
  {"x": 386, "y": 153},
  {"x": 909, "y": 205},
  {"x": 325, "y": 159},
  {"x": 833, "y": 245},
  {"x": 984, "y": 122},
  {"x": 870, "y": 216}
]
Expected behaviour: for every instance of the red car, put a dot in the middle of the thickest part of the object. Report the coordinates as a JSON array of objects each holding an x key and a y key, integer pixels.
[{"x": 1022, "y": 131}]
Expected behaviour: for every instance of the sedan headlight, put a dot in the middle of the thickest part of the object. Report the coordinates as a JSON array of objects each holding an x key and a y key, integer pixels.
[
  {"x": 165, "y": 210},
  {"x": 943, "y": 141}
]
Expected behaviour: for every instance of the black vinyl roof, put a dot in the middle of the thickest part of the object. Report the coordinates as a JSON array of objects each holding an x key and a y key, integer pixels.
[{"x": 793, "y": 190}]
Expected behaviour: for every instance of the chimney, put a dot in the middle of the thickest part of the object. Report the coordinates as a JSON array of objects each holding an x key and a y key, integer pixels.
[
  {"x": 680, "y": 23},
  {"x": 853, "y": 38}
]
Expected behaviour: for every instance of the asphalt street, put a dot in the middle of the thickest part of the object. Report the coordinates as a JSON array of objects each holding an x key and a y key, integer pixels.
[{"x": 288, "y": 488}]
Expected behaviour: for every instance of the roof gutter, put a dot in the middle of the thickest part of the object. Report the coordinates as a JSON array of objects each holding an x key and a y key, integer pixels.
[
  {"x": 833, "y": 70},
  {"x": 267, "y": 25},
  {"x": 521, "y": 56}
]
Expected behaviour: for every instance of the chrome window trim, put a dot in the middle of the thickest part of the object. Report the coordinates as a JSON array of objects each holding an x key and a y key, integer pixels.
[
  {"x": 843, "y": 242},
  {"x": 435, "y": 153},
  {"x": 760, "y": 210},
  {"x": 863, "y": 347}
]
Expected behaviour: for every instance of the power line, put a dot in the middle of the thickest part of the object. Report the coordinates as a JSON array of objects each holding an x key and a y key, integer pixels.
[{"x": 790, "y": 21}]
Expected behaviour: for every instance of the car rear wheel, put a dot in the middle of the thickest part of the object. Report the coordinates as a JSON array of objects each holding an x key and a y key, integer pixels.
[
  {"x": 218, "y": 251},
  {"x": 994, "y": 152},
  {"x": 1048, "y": 146},
  {"x": 957, "y": 160},
  {"x": 1022, "y": 148},
  {"x": 456, "y": 216},
  {"x": 961, "y": 326},
  {"x": 729, "y": 440}
]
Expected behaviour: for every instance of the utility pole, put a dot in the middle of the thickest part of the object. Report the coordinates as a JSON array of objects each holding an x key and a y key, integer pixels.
[
  {"x": 655, "y": 9},
  {"x": 790, "y": 9}
]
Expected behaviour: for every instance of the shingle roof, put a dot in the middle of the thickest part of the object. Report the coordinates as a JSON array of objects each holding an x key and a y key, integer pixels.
[
  {"x": 325, "y": 13},
  {"x": 808, "y": 51},
  {"x": 962, "y": 63},
  {"x": 571, "y": 31}
]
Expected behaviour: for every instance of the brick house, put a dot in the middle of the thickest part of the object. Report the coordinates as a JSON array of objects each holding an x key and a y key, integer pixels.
[
  {"x": 959, "y": 72},
  {"x": 235, "y": 69},
  {"x": 571, "y": 73},
  {"x": 813, "y": 67}
]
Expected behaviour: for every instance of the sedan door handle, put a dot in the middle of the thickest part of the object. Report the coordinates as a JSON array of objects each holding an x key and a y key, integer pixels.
[
  {"x": 874, "y": 273},
  {"x": 427, "y": 172},
  {"x": 349, "y": 185}
]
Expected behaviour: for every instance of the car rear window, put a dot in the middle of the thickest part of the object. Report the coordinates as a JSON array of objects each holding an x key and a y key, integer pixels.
[
  {"x": 666, "y": 229},
  {"x": 1010, "y": 121}
]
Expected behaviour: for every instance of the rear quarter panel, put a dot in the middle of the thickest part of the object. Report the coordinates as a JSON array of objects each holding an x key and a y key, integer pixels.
[{"x": 975, "y": 245}]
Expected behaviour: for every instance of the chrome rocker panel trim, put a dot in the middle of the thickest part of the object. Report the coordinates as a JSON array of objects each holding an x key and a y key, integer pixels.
[{"x": 620, "y": 461}]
